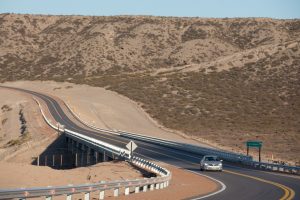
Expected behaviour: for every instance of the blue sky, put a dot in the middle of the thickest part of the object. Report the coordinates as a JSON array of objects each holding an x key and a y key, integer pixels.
[{"x": 190, "y": 8}]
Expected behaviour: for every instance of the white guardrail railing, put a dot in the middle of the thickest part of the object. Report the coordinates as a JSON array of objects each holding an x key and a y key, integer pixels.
[
  {"x": 225, "y": 155},
  {"x": 163, "y": 176}
]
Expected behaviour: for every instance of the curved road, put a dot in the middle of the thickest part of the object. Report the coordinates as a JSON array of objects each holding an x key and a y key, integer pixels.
[{"x": 241, "y": 183}]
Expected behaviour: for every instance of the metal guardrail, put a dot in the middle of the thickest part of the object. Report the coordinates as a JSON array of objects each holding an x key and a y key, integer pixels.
[
  {"x": 274, "y": 167},
  {"x": 160, "y": 182},
  {"x": 147, "y": 183},
  {"x": 229, "y": 156},
  {"x": 226, "y": 155}
]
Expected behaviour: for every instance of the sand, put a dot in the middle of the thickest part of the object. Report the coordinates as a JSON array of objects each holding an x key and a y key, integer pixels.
[{"x": 17, "y": 172}]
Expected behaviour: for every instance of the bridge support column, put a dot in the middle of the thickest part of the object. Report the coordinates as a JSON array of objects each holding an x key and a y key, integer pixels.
[
  {"x": 88, "y": 152},
  {"x": 69, "y": 140},
  {"x": 96, "y": 156},
  {"x": 127, "y": 191},
  {"x": 81, "y": 159},
  {"x": 104, "y": 156},
  {"x": 82, "y": 147},
  {"x": 137, "y": 189},
  {"x": 76, "y": 160}
]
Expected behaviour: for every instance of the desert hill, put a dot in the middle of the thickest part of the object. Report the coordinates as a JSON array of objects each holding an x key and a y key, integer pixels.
[{"x": 226, "y": 80}]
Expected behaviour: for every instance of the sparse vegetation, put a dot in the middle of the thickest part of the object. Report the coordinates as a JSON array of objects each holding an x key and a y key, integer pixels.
[
  {"x": 23, "y": 122},
  {"x": 4, "y": 121},
  {"x": 6, "y": 108},
  {"x": 21, "y": 140},
  {"x": 256, "y": 97},
  {"x": 25, "y": 136}
]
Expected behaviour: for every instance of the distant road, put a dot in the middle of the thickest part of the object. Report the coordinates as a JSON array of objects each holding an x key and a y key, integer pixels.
[{"x": 241, "y": 183}]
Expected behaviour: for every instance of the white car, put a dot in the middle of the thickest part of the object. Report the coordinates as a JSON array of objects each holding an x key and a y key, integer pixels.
[{"x": 212, "y": 163}]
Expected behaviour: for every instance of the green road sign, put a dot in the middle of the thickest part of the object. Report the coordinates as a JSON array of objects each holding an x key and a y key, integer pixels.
[{"x": 254, "y": 143}]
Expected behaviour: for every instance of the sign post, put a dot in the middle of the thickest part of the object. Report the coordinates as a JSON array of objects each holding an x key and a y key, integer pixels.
[
  {"x": 131, "y": 146},
  {"x": 254, "y": 144}
]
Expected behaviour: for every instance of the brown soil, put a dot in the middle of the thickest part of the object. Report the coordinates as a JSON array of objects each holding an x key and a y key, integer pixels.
[
  {"x": 16, "y": 172},
  {"x": 225, "y": 81}
]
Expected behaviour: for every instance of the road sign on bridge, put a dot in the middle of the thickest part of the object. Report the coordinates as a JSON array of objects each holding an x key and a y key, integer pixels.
[{"x": 131, "y": 146}]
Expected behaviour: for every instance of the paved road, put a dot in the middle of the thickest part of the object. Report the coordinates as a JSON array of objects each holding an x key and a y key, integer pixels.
[{"x": 241, "y": 183}]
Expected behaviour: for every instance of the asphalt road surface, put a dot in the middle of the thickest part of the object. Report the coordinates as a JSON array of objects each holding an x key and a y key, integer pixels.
[{"x": 240, "y": 183}]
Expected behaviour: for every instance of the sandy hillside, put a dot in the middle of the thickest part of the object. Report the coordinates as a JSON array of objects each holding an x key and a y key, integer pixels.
[
  {"x": 222, "y": 80},
  {"x": 103, "y": 108},
  {"x": 109, "y": 110},
  {"x": 21, "y": 123}
]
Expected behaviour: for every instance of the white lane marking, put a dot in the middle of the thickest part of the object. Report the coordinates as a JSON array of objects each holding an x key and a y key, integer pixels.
[{"x": 223, "y": 186}]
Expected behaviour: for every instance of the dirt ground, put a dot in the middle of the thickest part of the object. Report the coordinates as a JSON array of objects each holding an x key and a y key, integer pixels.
[
  {"x": 17, "y": 172},
  {"x": 23, "y": 175}
]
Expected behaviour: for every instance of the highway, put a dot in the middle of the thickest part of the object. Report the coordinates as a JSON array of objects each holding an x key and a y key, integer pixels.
[{"x": 239, "y": 183}]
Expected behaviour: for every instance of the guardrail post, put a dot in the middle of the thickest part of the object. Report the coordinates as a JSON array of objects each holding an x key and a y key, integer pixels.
[
  {"x": 137, "y": 189},
  {"x": 161, "y": 185},
  {"x": 87, "y": 196},
  {"x": 127, "y": 191},
  {"x": 116, "y": 192},
  {"x": 48, "y": 197},
  {"x": 69, "y": 196},
  {"x": 157, "y": 186},
  {"x": 101, "y": 194},
  {"x": 151, "y": 187},
  {"x": 145, "y": 187}
]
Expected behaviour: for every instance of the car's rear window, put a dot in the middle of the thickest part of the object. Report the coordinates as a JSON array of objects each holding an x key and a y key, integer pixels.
[{"x": 211, "y": 159}]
